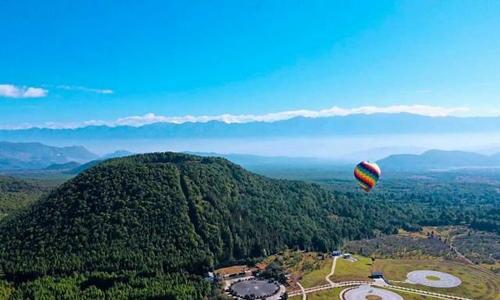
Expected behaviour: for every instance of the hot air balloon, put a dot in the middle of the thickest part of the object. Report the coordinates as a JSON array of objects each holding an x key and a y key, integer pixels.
[{"x": 367, "y": 174}]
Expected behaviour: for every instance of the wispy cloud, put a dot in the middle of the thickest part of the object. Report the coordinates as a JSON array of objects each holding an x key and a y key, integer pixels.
[
  {"x": 150, "y": 118},
  {"x": 19, "y": 92},
  {"x": 84, "y": 89}
]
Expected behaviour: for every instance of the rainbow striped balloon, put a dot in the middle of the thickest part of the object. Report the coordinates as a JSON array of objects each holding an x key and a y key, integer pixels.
[{"x": 367, "y": 174}]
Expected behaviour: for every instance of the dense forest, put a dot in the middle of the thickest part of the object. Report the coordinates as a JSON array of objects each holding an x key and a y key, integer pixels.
[
  {"x": 16, "y": 194},
  {"x": 101, "y": 285},
  {"x": 461, "y": 197},
  {"x": 436, "y": 199},
  {"x": 136, "y": 227}
]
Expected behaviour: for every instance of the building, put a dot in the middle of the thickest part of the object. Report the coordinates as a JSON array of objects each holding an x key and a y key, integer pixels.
[{"x": 210, "y": 276}]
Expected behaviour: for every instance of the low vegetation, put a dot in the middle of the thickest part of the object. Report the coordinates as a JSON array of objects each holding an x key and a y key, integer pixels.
[
  {"x": 308, "y": 268},
  {"x": 397, "y": 246},
  {"x": 477, "y": 283},
  {"x": 321, "y": 295},
  {"x": 480, "y": 247}
]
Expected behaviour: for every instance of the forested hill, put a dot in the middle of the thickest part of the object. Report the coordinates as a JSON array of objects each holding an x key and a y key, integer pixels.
[{"x": 165, "y": 212}]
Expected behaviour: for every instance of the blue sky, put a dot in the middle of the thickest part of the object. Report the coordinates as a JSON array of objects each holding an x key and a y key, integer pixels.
[{"x": 105, "y": 60}]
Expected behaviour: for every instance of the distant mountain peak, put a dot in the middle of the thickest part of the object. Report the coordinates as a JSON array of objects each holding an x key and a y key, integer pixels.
[
  {"x": 438, "y": 160},
  {"x": 117, "y": 153},
  {"x": 34, "y": 155}
]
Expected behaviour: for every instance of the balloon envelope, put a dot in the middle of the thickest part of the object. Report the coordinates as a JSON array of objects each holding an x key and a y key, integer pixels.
[{"x": 367, "y": 173}]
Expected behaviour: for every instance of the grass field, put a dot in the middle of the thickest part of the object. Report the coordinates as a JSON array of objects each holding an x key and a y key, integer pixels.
[
  {"x": 495, "y": 268},
  {"x": 309, "y": 268},
  {"x": 322, "y": 295},
  {"x": 476, "y": 283},
  {"x": 347, "y": 270},
  {"x": 316, "y": 276}
]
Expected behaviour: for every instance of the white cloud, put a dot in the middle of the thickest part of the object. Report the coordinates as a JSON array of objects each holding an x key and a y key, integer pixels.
[
  {"x": 424, "y": 110},
  {"x": 85, "y": 89},
  {"x": 13, "y": 91},
  {"x": 150, "y": 118}
]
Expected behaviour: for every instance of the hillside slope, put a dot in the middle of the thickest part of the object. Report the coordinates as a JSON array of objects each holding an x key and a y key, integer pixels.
[{"x": 169, "y": 212}]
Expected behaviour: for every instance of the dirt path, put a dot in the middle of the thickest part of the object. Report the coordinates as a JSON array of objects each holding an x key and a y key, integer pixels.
[
  {"x": 334, "y": 263},
  {"x": 460, "y": 255},
  {"x": 304, "y": 296}
]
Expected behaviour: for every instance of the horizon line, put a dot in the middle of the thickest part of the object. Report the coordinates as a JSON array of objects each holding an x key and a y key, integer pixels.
[{"x": 335, "y": 111}]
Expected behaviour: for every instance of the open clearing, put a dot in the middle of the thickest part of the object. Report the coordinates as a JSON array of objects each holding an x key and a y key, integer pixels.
[
  {"x": 317, "y": 276},
  {"x": 322, "y": 295},
  {"x": 476, "y": 283},
  {"x": 347, "y": 270}
]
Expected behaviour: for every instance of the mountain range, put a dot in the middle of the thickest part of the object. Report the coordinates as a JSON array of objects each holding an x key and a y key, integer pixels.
[
  {"x": 38, "y": 156},
  {"x": 301, "y": 126},
  {"x": 75, "y": 159}
]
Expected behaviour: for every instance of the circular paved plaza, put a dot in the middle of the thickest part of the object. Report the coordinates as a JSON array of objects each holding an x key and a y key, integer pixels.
[
  {"x": 255, "y": 287},
  {"x": 433, "y": 279},
  {"x": 366, "y": 292}
]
